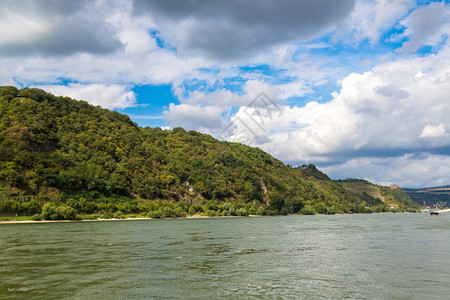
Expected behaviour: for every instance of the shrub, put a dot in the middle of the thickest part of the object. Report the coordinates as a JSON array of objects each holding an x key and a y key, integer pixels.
[
  {"x": 196, "y": 208},
  {"x": 252, "y": 211},
  {"x": 179, "y": 212},
  {"x": 242, "y": 212},
  {"x": 209, "y": 213},
  {"x": 118, "y": 215},
  {"x": 49, "y": 211},
  {"x": 91, "y": 217},
  {"x": 65, "y": 213},
  {"x": 276, "y": 201},
  {"x": 36, "y": 217},
  {"x": 320, "y": 208},
  {"x": 270, "y": 212},
  {"x": 260, "y": 211},
  {"x": 155, "y": 214},
  {"x": 191, "y": 211},
  {"x": 284, "y": 211},
  {"x": 308, "y": 210},
  {"x": 331, "y": 210}
]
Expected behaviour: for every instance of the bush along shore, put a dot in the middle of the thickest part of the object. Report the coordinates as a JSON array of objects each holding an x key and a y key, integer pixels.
[{"x": 89, "y": 210}]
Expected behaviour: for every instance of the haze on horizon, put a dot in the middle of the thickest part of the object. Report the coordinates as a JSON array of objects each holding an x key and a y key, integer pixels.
[{"x": 358, "y": 88}]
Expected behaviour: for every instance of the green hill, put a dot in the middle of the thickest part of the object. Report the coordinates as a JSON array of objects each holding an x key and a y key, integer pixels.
[
  {"x": 439, "y": 195},
  {"x": 393, "y": 197},
  {"x": 61, "y": 157}
]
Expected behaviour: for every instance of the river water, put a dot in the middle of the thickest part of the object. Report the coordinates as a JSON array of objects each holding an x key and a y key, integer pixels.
[{"x": 379, "y": 256}]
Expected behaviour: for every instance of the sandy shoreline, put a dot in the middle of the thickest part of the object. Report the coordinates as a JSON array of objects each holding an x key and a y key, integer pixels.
[
  {"x": 112, "y": 220},
  {"x": 145, "y": 218},
  {"x": 69, "y": 221}
]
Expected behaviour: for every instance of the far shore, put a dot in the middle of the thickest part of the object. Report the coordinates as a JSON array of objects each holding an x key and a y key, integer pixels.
[
  {"x": 109, "y": 220},
  {"x": 145, "y": 218}
]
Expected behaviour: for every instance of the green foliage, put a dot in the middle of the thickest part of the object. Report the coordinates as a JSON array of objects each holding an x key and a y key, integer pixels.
[
  {"x": 277, "y": 201},
  {"x": 308, "y": 210},
  {"x": 88, "y": 160},
  {"x": 50, "y": 211},
  {"x": 66, "y": 213},
  {"x": 432, "y": 195},
  {"x": 91, "y": 217},
  {"x": 167, "y": 212},
  {"x": 379, "y": 198},
  {"x": 241, "y": 212},
  {"x": 37, "y": 217},
  {"x": 195, "y": 209}
]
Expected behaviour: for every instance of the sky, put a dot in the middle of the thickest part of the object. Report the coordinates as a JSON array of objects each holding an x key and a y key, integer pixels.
[{"x": 359, "y": 88}]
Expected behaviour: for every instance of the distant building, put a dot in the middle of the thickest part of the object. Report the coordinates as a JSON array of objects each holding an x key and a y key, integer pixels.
[{"x": 394, "y": 186}]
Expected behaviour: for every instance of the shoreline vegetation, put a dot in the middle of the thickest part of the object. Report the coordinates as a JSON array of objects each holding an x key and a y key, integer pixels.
[
  {"x": 28, "y": 220},
  {"x": 78, "y": 210},
  {"x": 125, "y": 218}
]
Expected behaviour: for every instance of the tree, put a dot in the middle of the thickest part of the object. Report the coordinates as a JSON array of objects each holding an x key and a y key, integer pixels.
[
  {"x": 277, "y": 201},
  {"x": 49, "y": 211}
]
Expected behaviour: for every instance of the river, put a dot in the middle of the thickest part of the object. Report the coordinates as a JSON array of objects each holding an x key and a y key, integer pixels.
[{"x": 378, "y": 256}]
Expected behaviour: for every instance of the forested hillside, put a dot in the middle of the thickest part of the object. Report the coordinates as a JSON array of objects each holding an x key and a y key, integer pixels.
[
  {"x": 61, "y": 157},
  {"x": 439, "y": 195},
  {"x": 393, "y": 197}
]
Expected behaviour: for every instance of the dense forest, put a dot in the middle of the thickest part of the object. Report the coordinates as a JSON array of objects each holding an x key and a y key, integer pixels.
[{"x": 63, "y": 159}]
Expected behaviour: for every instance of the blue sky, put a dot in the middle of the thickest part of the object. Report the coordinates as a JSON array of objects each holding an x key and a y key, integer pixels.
[{"x": 359, "y": 88}]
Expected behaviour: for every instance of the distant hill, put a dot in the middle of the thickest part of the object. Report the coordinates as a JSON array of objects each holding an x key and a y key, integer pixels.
[
  {"x": 394, "y": 196},
  {"x": 431, "y": 195},
  {"x": 85, "y": 159}
]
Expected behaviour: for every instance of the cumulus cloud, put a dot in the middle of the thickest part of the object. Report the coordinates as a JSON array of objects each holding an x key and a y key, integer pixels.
[
  {"x": 430, "y": 131},
  {"x": 370, "y": 18},
  {"x": 153, "y": 67},
  {"x": 83, "y": 41},
  {"x": 380, "y": 115},
  {"x": 54, "y": 28},
  {"x": 255, "y": 98},
  {"x": 391, "y": 91},
  {"x": 238, "y": 29},
  {"x": 427, "y": 25},
  {"x": 111, "y": 97},
  {"x": 203, "y": 118},
  {"x": 408, "y": 170}
]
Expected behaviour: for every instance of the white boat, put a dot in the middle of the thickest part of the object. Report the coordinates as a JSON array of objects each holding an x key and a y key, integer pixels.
[{"x": 437, "y": 212}]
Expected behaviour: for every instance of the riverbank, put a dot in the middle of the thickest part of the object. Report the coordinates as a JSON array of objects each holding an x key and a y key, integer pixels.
[
  {"x": 146, "y": 218},
  {"x": 112, "y": 219}
]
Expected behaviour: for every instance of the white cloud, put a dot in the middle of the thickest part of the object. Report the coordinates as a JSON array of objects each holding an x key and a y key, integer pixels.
[
  {"x": 195, "y": 116},
  {"x": 159, "y": 66},
  {"x": 55, "y": 28},
  {"x": 241, "y": 29},
  {"x": 112, "y": 96},
  {"x": 408, "y": 170},
  {"x": 370, "y": 18},
  {"x": 84, "y": 41},
  {"x": 430, "y": 131},
  {"x": 382, "y": 114},
  {"x": 134, "y": 33},
  {"x": 218, "y": 105},
  {"x": 21, "y": 30},
  {"x": 427, "y": 25}
]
